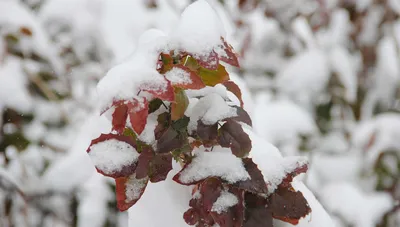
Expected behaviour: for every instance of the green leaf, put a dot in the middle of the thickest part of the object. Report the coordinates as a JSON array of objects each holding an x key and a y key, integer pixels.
[
  {"x": 178, "y": 107},
  {"x": 214, "y": 77}
]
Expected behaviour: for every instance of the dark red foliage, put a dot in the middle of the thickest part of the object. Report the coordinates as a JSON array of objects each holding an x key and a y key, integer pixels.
[
  {"x": 234, "y": 88},
  {"x": 232, "y": 135},
  {"x": 256, "y": 183},
  {"x": 288, "y": 205},
  {"x": 256, "y": 206}
]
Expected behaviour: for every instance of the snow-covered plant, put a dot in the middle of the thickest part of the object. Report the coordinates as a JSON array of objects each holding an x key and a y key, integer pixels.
[{"x": 167, "y": 104}]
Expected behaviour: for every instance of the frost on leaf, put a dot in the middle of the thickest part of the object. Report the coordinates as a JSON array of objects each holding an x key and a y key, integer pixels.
[
  {"x": 129, "y": 190},
  {"x": 209, "y": 164},
  {"x": 182, "y": 77},
  {"x": 226, "y": 54},
  {"x": 138, "y": 112},
  {"x": 113, "y": 155},
  {"x": 209, "y": 61},
  {"x": 232, "y": 135}
]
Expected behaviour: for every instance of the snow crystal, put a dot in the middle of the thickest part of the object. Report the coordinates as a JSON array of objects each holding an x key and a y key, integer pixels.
[
  {"x": 210, "y": 109},
  {"x": 206, "y": 164},
  {"x": 178, "y": 76},
  {"x": 134, "y": 187},
  {"x": 224, "y": 201},
  {"x": 112, "y": 155},
  {"x": 199, "y": 30}
]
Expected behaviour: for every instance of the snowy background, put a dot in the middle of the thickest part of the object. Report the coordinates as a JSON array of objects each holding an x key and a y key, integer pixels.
[{"x": 320, "y": 79}]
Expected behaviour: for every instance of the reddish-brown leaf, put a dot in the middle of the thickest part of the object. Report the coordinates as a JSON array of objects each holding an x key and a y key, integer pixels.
[
  {"x": 234, "y": 88},
  {"x": 234, "y": 216},
  {"x": 166, "y": 94},
  {"x": 210, "y": 190},
  {"x": 144, "y": 162},
  {"x": 160, "y": 167},
  {"x": 257, "y": 213},
  {"x": 170, "y": 140},
  {"x": 209, "y": 61},
  {"x": 119, "y": 118},
  {"x": 232, "y": 135},
  {"x": 256, "y": 183},
  {"x": 193, "y": 81},
  {"x": 207, "y": 133},
  {"x": 288, "y": 205},
  {"x": 129, "y": 190},
  {"x": 125, "y": 170},
  {"x": 26, "y": 31},
  {"x": 242, "y": 116},
  {"x": 191, "y": 216},
  {"x": 178, "y": 107},
  {"x": 229, "y": 56},
  {"x": 286, "y": 182},
  {"x": 138, "y": 112}
]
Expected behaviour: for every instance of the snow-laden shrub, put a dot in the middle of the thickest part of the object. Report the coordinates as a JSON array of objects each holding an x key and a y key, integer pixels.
[{"x": 168, "y": 104}]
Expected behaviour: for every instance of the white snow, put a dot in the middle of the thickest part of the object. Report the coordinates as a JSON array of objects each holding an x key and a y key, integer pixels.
[
  {"x": 304, "y": 75},
  {"x": 207, "y": 164},
  {"x": 178, "y": 76},
  {"x": 13, "y": 81},
  {"x": 209, "y": 109},
  {"x": 112, "y": 155},
  {"x": 124, "y": 81},
  {"x": 356, "y": 207},
  {"x": 199, "y": 30},
  {"x": 224, "y": 201}
]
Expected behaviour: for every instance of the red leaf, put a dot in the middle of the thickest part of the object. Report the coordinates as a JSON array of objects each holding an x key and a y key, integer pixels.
[
  {"x": 232, "y": 135},
  {"x": 286, "y": 182},
  {"x": 138, "y": 112},
  {"x": 160, "y": 167},
  {"x": 166, "y": 94},
  {"x": 256, "y": 183},
  {"x": 257, "y": 214},
  {"x": 191, "y": 216},
  {"x": 229, "y": 56},
  {"x": 144, "y": 161},
  {"x": 209, "y": 61},
  {"x": 234, "y": 216},
  {"x": 119, "y": 118},
  {"x": 126, "y": 170},
  {"x": 242, "y": 116},
  {"x": 288, "y": 205},
  {"x": 234, "y": 88},
  {"x": 129, "y": 190},
  {"x": 188, "y": 80},
  {"x": 210, "y": 190}
]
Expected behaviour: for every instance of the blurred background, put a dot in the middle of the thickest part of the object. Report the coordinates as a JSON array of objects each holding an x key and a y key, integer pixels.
[{"x": 320, "y": 78}]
